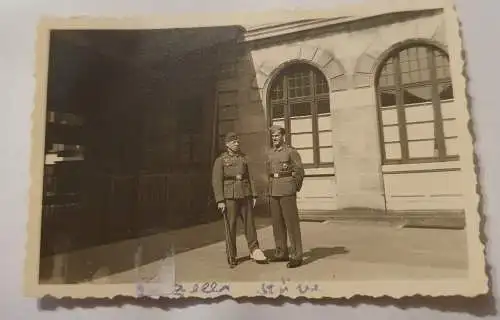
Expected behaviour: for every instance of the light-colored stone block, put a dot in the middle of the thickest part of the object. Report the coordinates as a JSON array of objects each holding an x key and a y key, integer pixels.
[
  {"x": 267, "y": 67},
  {"x": 307, "y": 52},
  {"x": 261, "y": 79},
  {"x": 440, "y": 34},
  {"x": 323, "y": 57},
  {"x": 340, "y": 82},
  {"x": 333, "y": 69},
  {"x": 362, "y": 80},
  {"x": 427, "y": 27},
  {"x": 365, "y": 63}
]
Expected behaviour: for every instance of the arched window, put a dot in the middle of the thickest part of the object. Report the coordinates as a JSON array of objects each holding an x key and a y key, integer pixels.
[
  {"x": 415, "y": 94},
  {"x": 299, "y": 100}
]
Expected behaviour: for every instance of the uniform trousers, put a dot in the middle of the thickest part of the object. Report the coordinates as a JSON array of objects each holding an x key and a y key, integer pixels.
[
  {"x": 241, "y": 208},
  {"x": 285, "y": 218}
]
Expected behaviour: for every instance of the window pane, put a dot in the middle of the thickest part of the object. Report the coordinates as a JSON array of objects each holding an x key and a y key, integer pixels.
[
  {"x": 405, "y": 66},
  {"x": 441, "y": 59},
  {"x": 321, "y": 83},
  {"x": 306, "y": 155},
  {"x": 323, "y": 106},
  {"x": 448, "y": 109},
  {"x": 443, "y": 72},
  {"x": 420, "y": 131},
  {"x": 414, "y": 65},
  {"x": 417, "y": 94},
  {"x": 301, "y": 125},
  {"x": 388, "y": 67},
  {"x": 386, "y": 77},
  {"x": 303, "y": 140},
  {"x": 324, "y": 123},
  {"x": 388, "y": 98},
  {"x": 386, "y": 81},
  {"x": 422, "y": 149},
  {"x": 420, "y": 113},
  {"x": 424, "y": 75},
  {"x": 325, "y": 139},
  {"x": 277, "y": 90},
  {"x": 405, "y": 78},
  {"x": 452, "y": 146},
  {"x": 300, "y": 109},
  {"x": 278, "y": 111},
  {"x": 393, "y": 151},
  {"x": 445, "y": 91},
  {"x": 299, "y": 84},
  {"x": 389, "y": 116},
  {"x": 280, "y": 123},
  {"x": 326, "y": 155},
  {"x": 450, "y": 128},
  {"x": 391, "y": 134}
]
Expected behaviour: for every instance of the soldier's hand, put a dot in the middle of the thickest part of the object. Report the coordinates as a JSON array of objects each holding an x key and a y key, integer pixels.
[
  {"x": 254, "y": 201},
  {"x": 221, "y": 206}
]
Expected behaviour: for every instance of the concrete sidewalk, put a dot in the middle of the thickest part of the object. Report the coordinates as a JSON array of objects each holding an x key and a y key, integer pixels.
[{"x": 333, "y": 250}]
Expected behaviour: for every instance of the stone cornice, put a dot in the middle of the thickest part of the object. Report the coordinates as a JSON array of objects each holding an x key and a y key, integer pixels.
[{"x": 278, "y": 30}]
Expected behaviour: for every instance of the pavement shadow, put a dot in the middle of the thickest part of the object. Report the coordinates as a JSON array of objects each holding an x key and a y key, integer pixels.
[
  {"x": 323, "y": 252},
  {"x": 312, "y": 255},
  {"x": 102, "y": 261}
]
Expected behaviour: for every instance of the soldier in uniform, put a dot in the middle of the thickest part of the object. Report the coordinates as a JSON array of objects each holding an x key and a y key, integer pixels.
[
  {"x": 235, "y": 195},
  {"x": 286, "y": 174}
]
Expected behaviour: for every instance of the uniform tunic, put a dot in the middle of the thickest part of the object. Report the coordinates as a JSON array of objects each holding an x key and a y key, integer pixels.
[
  {"x": 285, "y": 170},
  {"x": 233, "y": 184},
  {"x": 231, "y": 178},
  {"x": 286, "y": 175}
]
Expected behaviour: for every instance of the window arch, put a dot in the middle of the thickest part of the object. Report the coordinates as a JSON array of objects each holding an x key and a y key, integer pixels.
[
  {"x": 299, "y": 101},
  {"x": 414, "y": 98}
]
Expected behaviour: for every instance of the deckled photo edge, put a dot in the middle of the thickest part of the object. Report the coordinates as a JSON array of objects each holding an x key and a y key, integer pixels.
[
  {"x": 476, "y": 284},
  {"x": 476, "y": 248},
  {"x": 33, "y": 225}
]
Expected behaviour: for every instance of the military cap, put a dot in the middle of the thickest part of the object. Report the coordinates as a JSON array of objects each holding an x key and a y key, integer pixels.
[
  {"x": 276, "y": 128},
  {"x": 230, "y": 136}
]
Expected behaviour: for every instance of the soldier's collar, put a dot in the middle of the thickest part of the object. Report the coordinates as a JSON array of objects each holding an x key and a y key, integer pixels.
[
  {"x": 279, "y": 148},
  {"x": 235, "y": 154}
]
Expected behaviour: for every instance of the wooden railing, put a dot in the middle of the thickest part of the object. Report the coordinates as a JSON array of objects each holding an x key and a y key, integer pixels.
[{"x": 123, "y": 207}]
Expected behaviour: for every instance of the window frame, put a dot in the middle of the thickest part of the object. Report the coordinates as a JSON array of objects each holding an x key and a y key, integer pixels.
[
  {"x": 314, "y": 99},
  {"x": 400, "y": 106}
]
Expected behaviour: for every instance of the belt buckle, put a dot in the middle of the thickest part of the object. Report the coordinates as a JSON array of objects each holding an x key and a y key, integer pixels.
[
  {"x": 238, "y": 177},
  {"x": 276, "y": 175}
]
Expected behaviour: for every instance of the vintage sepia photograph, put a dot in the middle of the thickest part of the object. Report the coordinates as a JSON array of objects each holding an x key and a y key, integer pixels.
[{"x": 308, "y": 154}]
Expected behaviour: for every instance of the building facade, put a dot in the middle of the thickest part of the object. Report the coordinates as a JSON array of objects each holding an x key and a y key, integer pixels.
[{"x": 368, "y": 103}]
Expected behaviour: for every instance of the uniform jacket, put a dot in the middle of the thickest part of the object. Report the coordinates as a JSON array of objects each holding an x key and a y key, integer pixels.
[
  {"x": 231, "y": 178},
  {"x": 285, "y": 171}
]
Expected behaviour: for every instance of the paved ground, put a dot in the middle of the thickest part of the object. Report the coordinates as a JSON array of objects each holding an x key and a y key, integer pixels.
[{"x": 335, "y": 250}]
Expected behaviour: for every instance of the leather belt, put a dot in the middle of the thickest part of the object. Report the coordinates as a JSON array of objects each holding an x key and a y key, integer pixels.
[
  {"x": 236, "y": 178},
  {"x": 280, "y": 174}
]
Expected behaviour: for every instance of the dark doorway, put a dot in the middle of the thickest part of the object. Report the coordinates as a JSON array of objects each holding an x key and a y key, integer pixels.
[{"x": 135, "y": 156}]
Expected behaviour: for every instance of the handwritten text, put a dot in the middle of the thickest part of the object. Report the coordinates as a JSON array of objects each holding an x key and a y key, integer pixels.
[
  {"x": 284, "y": 287},
  {"x": 180, "y": 290}
]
